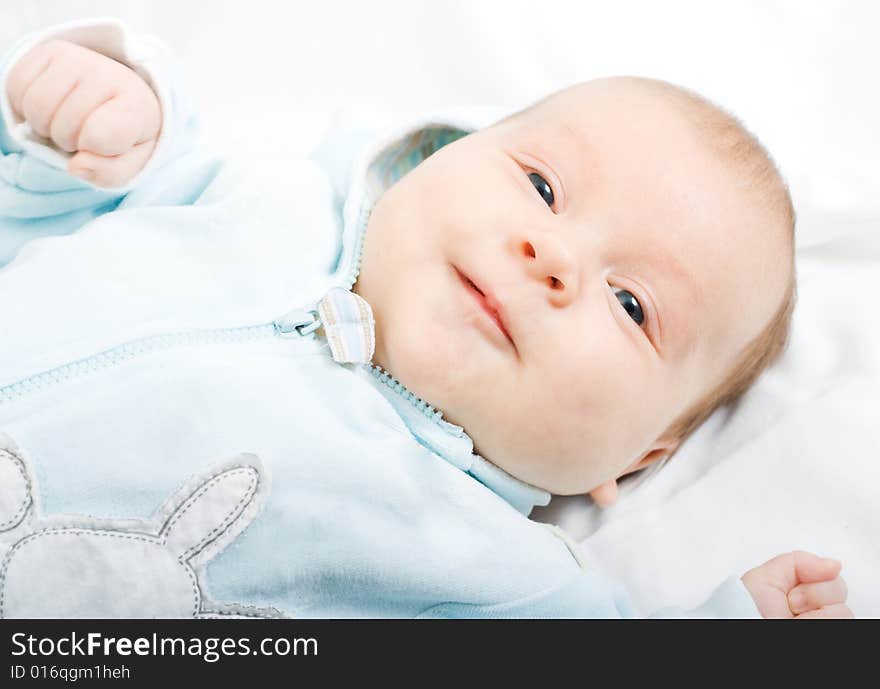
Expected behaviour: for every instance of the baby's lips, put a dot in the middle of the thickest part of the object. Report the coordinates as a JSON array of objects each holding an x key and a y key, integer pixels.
[
  {"x": 497, "y": 307},
  {"x": 499, "y": 312}
]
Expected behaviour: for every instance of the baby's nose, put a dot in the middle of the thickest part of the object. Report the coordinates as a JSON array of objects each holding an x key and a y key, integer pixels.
[{"x": 548, "y": 261}]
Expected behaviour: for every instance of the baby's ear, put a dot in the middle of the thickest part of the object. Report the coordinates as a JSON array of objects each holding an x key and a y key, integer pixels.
[
  {"x": 647, "y": 459},
  {"x": 606, "y": 494},
  {"x": 661, "y": 449}
]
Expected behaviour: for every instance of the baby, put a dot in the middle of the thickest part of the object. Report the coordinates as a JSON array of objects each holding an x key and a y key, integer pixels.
[{"x": 577, "y": 287}]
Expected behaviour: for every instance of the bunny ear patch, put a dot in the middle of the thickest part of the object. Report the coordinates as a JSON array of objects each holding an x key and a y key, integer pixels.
[
  {"x": 81, "y": 566},
  {"x": 214, "y": 512}
]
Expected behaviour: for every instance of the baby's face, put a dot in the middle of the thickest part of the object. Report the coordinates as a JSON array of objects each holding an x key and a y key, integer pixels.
[{"x": 626, "y": 266}]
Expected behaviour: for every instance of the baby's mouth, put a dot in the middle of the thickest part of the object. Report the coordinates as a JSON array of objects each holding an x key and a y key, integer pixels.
[
  {"x": 489, "y": 304},
  {"x": 468, "y": 281}
]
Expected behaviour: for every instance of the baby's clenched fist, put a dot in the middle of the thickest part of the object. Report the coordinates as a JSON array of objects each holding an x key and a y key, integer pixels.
[
  {"x": 798, "y": 585},
  {"x": 89, "y": 105}
]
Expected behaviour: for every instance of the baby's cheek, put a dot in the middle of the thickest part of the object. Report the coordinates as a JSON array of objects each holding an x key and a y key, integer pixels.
[{"x": 600, "y": 406}]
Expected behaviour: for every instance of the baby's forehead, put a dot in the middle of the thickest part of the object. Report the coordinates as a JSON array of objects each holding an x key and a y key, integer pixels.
[
  {"x": 612, "y": 94},
  {"x": 613, "y": 117}
]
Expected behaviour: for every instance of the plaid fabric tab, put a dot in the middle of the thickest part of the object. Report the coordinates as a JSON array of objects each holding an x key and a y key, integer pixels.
[{"x": 348, "y": 325}]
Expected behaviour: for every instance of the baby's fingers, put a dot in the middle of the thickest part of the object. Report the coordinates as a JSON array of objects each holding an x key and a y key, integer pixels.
[
  {"x": 838, "y": 611},
  {"x": 810, "y": 568},
  {"x": 72, "y": 114},
  {"x": 119, "y": 124},
  {"x": 806, "y": 597},
  {"x": 111, "y": 171},
  {"x": 25, "y": 72}
]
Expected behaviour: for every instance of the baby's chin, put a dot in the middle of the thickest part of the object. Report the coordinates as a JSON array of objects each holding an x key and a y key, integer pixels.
[{"x": 438, "y": 360}]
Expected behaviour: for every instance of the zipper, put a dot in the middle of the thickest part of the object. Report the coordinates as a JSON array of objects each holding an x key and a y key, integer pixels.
[
  {"x": 358, "y": 251},
  {"x": 391, "y": 382},
  {"x": 297, "y": 323},
  {"x": 377, "y": 371}
]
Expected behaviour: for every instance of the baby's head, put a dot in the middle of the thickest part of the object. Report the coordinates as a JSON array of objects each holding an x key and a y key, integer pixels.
[{"x": 637, "y": 245}]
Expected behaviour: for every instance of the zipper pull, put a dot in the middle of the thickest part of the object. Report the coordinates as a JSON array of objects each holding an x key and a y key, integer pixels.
[
  {"x": 348, "y": 324},
  {"x": 300, "y": 322}
]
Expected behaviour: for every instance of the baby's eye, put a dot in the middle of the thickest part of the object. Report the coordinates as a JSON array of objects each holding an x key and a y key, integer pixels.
[
  {"x": 631, "y": 305},
  {"x": 543, "y": 188}
]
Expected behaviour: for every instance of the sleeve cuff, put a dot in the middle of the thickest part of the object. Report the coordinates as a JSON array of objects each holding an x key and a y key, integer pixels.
[{"x": 731, "y": 600}]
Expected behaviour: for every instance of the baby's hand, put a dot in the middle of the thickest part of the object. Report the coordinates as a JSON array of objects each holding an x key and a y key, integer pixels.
[
  {"x": 798, "y": 585},
  {"x": 88, "y": 104}
]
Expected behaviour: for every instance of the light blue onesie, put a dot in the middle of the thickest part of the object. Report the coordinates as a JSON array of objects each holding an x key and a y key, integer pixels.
[{"x": 150, "y": 336}]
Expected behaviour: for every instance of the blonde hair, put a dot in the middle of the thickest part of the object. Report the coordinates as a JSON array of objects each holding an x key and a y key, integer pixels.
[
  {"x": 755, "y": 358},
  {"x": 749, "y": 160}
]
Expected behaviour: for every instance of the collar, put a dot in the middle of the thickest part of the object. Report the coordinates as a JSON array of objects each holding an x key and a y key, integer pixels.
[{"x": 384, "y": 154}]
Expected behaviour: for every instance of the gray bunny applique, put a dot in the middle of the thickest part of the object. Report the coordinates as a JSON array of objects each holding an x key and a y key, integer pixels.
[{"x": 83, "y": 566}]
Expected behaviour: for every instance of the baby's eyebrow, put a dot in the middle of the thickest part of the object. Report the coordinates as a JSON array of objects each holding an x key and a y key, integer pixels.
[
  {"x": 571, "y": 149},
  {"x": 575, "y": 141}
]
